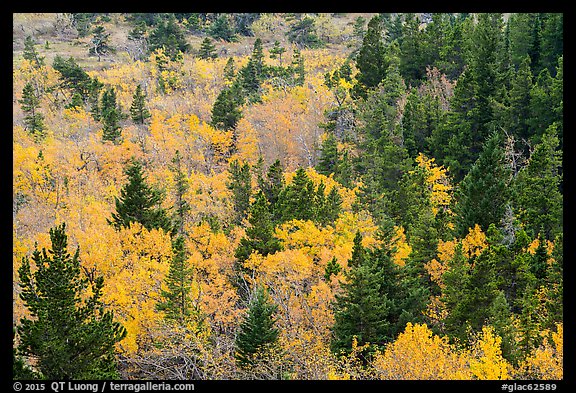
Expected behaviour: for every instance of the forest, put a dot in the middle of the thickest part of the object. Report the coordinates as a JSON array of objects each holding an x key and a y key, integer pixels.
[{"x": 287, "y": 196}]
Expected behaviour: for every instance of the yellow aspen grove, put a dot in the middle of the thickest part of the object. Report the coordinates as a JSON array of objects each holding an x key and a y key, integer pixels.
[
  {"x": 417, "y": 353},
  {"x": 546, "y": 361},
  {"x": 486, "y": 361}
]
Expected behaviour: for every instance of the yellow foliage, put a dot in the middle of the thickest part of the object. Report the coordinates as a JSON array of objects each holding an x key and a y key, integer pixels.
[
  {"x": 546, "y": 362},
  {"x": 419, "y": 354},
  {"x": 403, "y": 249},
  {"x": 486, "y": 360},
  {"x": 474, "y": 242},
  {"x": 438, "y": 184}
]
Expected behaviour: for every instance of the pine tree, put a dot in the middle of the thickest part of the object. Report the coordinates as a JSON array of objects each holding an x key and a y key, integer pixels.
[
  {"x": 539, "y": 199},
  {"x": 296, "y": 201},
  {"x": 181, "y": 186},
  {"x": 169, "y": 36},
  {"x": 139, "y": 202},
  {"x": 328, "y": 161},
  {"x": 370, "y": 60},
  {"x": 69, "y": 334},
  {"x": 367, "y": 309},
  {"x": 138, "y": 111},
  {"x": 298, "y": 67},
  {"x": 30, "y": 53},
  {"x": 207, "y": 49},
  {"x": 100, "y": 42},
  {"x": 258, "y": 336},
  {"x": 230, "y": 70},
  {"x": 175, "y": 301},
  {"x": 226, "y": 111},
  {"x": 30, "y": 104},
  {"x": 483, "y": 194},
  {"x": 260, "y": 234},
  {"x": 332, "y": 268},
  {"x": 110, "y": 116},
  {"x": 240, "y": 185},
  {"x": 519, "y": 112},
  {"x": 222, "y": 29}
]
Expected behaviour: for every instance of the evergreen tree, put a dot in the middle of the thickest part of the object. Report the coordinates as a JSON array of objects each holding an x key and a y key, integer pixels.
[
  {"x": 30, "y": 104},
  {"x": 272, "y": 185},
  {"x": 100, "y": 42},
  {"x": 298, "y": 67},
  {"x": 370, "y": 60},
  {"x": 226, "y": 111},
  {"x": 139, "y": 202},
  {"x": 328, "y": 161},
  {"x": 276, "y": 52},
  {"x": 69, "y": 334},
  {"x": 180, "y": 187},
  {"x": 110, "y": 116},
  {"x": 175, "y": 301},
  {"x": 332, "y": 268},
  {"x": 207, "y": 49},
  {"x": 303, "y": 33},
  {"x": 30, "y": 53},
  {"x": 258, "y": 335},
  {"x": 412, "y": 66},
  {"x": 222, "y": 29},
  {"x": 138, "y": 110},
  {"x": 368, "y": 307},
  {"x": 168, "y": 36},
  {"x": 230, "y": 70},
  {"x": 296, "y": 201},
  {"x": 241, "y": 188},
  {"x": 260, "y": 234},
  {"x": 483, "y": 194},
  {"x": 519, "y": 113},
  {"x": 539, "y": 199}
]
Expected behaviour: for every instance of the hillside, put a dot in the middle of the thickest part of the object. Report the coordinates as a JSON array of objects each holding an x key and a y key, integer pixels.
[{"x": 288, "y": 196}]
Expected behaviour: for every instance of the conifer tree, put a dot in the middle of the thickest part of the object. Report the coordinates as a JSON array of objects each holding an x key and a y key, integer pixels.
[
  {"x": 180, "y": 187},
  {"x": 139, "y": 202},
  {"x": 539, "y": 200},
  {"x": 175, "y": 301},
  {"x": 169, "y": 36},
  {"x": 69, "y": 334},
  {"x": 230, "y": 70},
  {"x": 100, "y": 42},
  {"x": 30, "y": 104},
  {"x": 207, "y": 49},
  {"x": 483, "y": 194},
  {"x": 30, "y": 53},
  {"x": 328, "y": 161},
  {"x": 240, "y": 185},
  {"x": 222, "y": 29},
  {"x": 371, "y": 60},
  {"x": 367, "y": 309},
  {"x": 110, "y": 116},
  {"x": 332, "y": 268},
  {"x": 138, "y": 111},
  {"x": 260, "y": 234},
  {"x": 296, "y": 201},
  {"x": 258, "y": 335},
  {"x": 226, "y": 111}
]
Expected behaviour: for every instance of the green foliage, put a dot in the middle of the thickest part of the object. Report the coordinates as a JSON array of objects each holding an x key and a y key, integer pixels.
[
  {"x": 168, "y": 36},
  {"x": 175, "y": 302},
  {"x": 110, "y": 115},
  {"x": 258, "y": 334},
  {"x": 30, "y": 53},
  {"x": 139, "y": 202},
  {"x": 207, "y": 49},
  {"x": 483, "y": 194},
  {"x": 240, "y": 185},
  {"x": 260, "y": 235},
  {"x": 30, "y": 104},
  {"x": 303, "y": 33},
  {"x": 138, "y": 111},
  {"x": 69, "y": 335}
]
